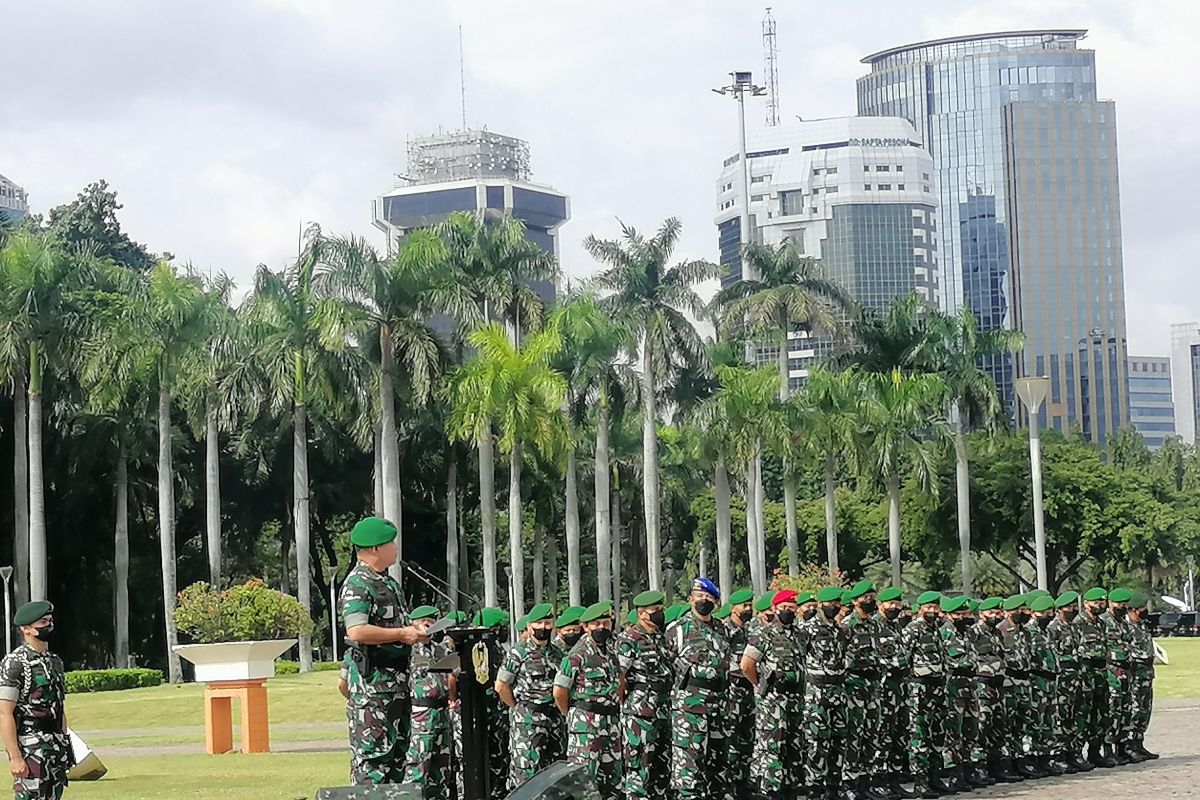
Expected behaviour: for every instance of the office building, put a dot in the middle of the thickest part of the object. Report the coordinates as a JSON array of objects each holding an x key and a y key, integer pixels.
[
  {"x": 1185, "y": 378},
  {"x": 1025, "y": 165},
  {"x": 855, "y": 193},
  {"x": 476, "y": 171},
  {"x": 1151, "y": 409},
  {"x": 14, "y": 201}
]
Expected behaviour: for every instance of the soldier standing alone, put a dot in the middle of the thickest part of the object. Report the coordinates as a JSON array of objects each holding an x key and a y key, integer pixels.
[{"x": 33, "y": 713}]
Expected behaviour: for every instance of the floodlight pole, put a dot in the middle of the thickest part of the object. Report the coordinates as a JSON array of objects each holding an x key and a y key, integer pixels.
[
  {"x": 741, "y": 83},
  {"x": 1032, "y": 392},
  {"x": 6, "y": 573}
]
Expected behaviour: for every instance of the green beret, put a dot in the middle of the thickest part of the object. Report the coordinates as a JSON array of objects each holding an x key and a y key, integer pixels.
[
  {"x": 32, "y": 612},
  {"x": 424, "y": 612},
  {"x": 649, "y": 599},
  {"x": 763, "y": 603},
  {"x": 457, "y": 616},
  {"x": 741, "y": 596},
  {"x": 1140, "y": 599},
  {"x": 1120, "y": 596},
  {"x": 490, "y": 617},
  {"x": 1095, "y": 593},
  {"x": 569, "y": 616},
  {"x": 540, "y": 612},
  {"x": 1014, "y": 602},
  {"x": 1041, "y": 603},
  {"x": 830, "y": 594},
  {"x": 632, "y": 616},
  {"x": 676, "y": 611},
  {"x": 372, "y": 532},
  {"x": 846, "y": 597},
  {"x": 1037, "y": 593},
  {"x": 861, "y": 588},
  {"x": 929, "y": 597},
  {"x": 889, "y": 594},
  {"x": 972, "y": 604},
  {"x": 991, "y": 603},
  {"x": 1067, "y": 599},
  {"x": 805, "y": 597},
  {"x": 597, "y": 611},
  {"x": 916, "y": 608},
  {"x": 949, "y": 604},
  {"x": 522, "y": 624},
  {"x": 722, "y": 612}
]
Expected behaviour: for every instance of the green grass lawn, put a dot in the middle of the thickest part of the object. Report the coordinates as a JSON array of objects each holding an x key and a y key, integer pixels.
[{"x": 1181, "y": 678}]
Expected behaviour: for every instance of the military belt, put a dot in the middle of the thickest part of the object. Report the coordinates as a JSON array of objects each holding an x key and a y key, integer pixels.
[
  {"x": 826, "y": 680},
  {"x": 1044, "y": 673},
  {"x": 430, "y": 702},
  {"x": 931, "y": 679},
  {"x": 1100, "y": 663},
  {"x": 993, "y": 680},
  {"x": 702, "y": 683},
  {"x": 40, "y": 725},
  {"x": 963, "y": 672},
  {"x": 654, "y": 686},
  {"x": 792, "y": 687},
  {"x": 543, "y": 708},
  {"x": 1018, "y": 673},
  {"x": 872, "y": 674},
  {"x": 597, "y": 708}
]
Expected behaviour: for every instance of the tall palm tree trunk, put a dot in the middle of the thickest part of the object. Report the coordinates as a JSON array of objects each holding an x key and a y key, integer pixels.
[
  {"x": 756, "y": 578},
  {"x": 300, "y": 499},
  {"x": 552, "y": 569},
  {"x": 724, "y": 532},
  {"x": 572, "y": 520},
  {"x": 615, "y": 520},
  {"x": 893, "y": 483},
  {"x": 539, "y": 563},
  {"x": 487, "y": 515},
  {"x": 831, "y": 535},
  {"x": 37, "y": 494},
  {"x": 212, "y": 497},
  {"x": 390, "y": 449},
  {"x": 515, "y": 551},
  {"x": 760, "y": 513},
  {"x": 962, "y": 475},
  {"x": 650, "y": 490},
  {"x": 702, "y": 561},
  {"x": 452, "y": 554},
  {"x": 789, "y": 490},
  {"x": 377, "y": 473},
  {"x": 121, "y": 565},
  {"x": 604, "y": 546},
  {"x": 20, "y": 490},
  {"x": 166, "y": 531}
]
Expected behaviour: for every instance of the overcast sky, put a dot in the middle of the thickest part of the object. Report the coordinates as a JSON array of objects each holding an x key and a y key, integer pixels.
[{"x": 226, "y": 124}]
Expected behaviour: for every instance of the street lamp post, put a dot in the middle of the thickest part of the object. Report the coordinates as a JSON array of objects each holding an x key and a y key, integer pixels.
[
  {"x": 1032, "y": 392},
  {"x": 6, "y": 573},
  {"x": 740, "y": 84}
]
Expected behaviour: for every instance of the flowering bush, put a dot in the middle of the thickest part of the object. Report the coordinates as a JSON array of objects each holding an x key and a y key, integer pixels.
[
  {"x": 812, "y": 577},
  {"x": 246, "y": 613}
]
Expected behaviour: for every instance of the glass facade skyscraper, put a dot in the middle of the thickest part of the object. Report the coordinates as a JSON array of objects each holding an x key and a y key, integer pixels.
[{"x": 1150, "y": 408}]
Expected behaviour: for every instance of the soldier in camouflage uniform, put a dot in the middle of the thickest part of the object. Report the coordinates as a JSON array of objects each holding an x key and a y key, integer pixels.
[
  {"x": 1120, "y": 642},
  {"x": 1142, "y": 665},
  {"x": 825, "y": 645},
  {"x": 431, "y": 738},
  {"x": 1069, "y": 727},
  {"x": 773, "y": 663},
  {"x": 587, "y": 690},
  {"x": 378, "y": 670},
  {"x": 525, "y": 683},
  {"x": 739, "y": 714},
  {"x": 33, "y": 694},
  {"x": 699, "y": 649},
  {"x": 889, "y": 762},
  {"x": 863, "y": 685},
  {"x": 645, "y": 712},
  {"x": 1093, "y": 656},
  {"x": 987, "y": 745},
  {"x": 498, "y": 720},
  {"x": 925, "y": 691},
  {"x": 1044, "y": 681},
  {"x": 569, "y": 628},
  {"x": 961, "y": 693},
  {"x": 1018, "y": 697},
  {"x": 764, "y": 614}
]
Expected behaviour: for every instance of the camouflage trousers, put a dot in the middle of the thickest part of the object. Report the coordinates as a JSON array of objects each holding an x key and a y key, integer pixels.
[
  {"x": 594, "y": 740},
  {"x": 779, "y": 727},
  {"x": 535, "y": 742},
  {"x": 1142, "y": 700},
  {"x": 1095, "y": 708},
  {"x": 1044, "y": 717},
  {"x": 379, "y": 725},
  {"x": 698, "y": 744},
  {"x": 456, "y": 739},
  {"x": 498, "y": 733},
  {"x": 888, "y": 756},
  {"x": 1119, "y": 682},
  {"x": 825, "y": 731},
  {"x": 926, "y": 701},
  {"x": 739, "y": 729},
  {"x": 646, "y": 755},
  {"x": 430, "y": 751},
  {"x": 862, "y": 716},
  {"x": 987, "y": 734},
  {"x": 960, "y": 723},
  {"x": 1069, "y": 728},
  {"x": 49, "y": 757},
  {"x": 1018, "y": 708}
]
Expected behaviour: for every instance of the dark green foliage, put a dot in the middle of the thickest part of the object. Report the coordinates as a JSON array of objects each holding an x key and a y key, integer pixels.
[
  {"x": 284, "y": 667},
  {"x": 110, "y": 680},
  {"x": 246, "y": 613}
]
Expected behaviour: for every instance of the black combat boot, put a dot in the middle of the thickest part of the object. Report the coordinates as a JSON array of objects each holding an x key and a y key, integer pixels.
[
  {"x": 881, "y": 789},
  {"x": 1025, "y": 768},
  {"x": 1001, "y": 770},
  {"x": 872, "y": 789},
  {"x": 1080, "y": 761},
  {"x": 958, "y": 779},
  {"x": 939, "y": 782},
  {"x": 921, "y": 788},
  {"x": 1040, "y": 764},
  {"x": 1140, "y": 745},
  {"x": 1051, "y": 766},
  {"x": 1131, "y": 751},
  {"x": 979, "y": 777},
  {"x": 896, "y": 788},
  {"x": 1118, "y": 754},
  {"x": 1062, "y": 761},
  {"x": 1099, "y": 757}
]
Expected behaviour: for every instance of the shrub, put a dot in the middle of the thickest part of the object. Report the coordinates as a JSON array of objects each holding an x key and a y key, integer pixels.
[
  {"x": 246, "y": 613},
  {"x": 108, "y": 680},
  {"x": 293, "y": 667}
]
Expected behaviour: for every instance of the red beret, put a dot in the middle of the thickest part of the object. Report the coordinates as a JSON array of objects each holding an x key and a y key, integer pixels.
[{"x": 784, "y": 596}]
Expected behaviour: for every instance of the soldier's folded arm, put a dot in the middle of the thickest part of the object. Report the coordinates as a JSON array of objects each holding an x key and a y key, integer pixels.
[
  {"x": 503, "y": 686},
  {"x": 562, "y": 688},
  {"x": 749, "y": 664}
]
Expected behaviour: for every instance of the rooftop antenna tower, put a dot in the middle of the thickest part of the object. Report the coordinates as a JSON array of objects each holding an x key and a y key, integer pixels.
[
  {"x": 462, "y": 78},
  {"x": 771, "y": 62}
]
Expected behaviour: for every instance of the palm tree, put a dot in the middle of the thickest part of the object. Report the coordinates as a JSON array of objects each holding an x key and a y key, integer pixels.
[
  {"x": 302, "y": 348},
  {"x": 898, "y": 338},
  {"x": 515, "y": 390},
  {"x": 651, "y": 299},
  {"x": 900, "y": 422},
  {"x": 958, "y": 348},
  {"x": 790, "y": 292}
]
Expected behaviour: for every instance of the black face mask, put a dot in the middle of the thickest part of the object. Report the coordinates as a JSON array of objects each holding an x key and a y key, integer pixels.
[
  {"x": 786, "y": 618},
  {"x": 542, "y": 634},
  {"x": 891, "y": 614},
  {"x": 745, "y": 616},
  {"x": 1098, "y": 609},
  {"x": 571, "y": 638},
  {"x": 601, "y": 636},
  {"x": 45, "y": 634},
  {"x": 1117, "y": 612},
  {"x": 1070, "y": 615},
  {"x": 1043, "y": 620},
  {"x": 809, "y": 613},
  {"x": 963, "y": 623},
  {"x": 704, "y": 607},
  {"x": 658, "y": 619},
  {"x": 830, "y": 611},
  {"x": 868, "y": 607},
  {"x": 930, "y": 617},
  {"x": 992, "y": 622},
  {"x": 1020, "y": 618}
]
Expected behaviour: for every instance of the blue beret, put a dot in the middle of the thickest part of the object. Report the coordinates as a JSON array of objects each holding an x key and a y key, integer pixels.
[{"x": 706, "y": 586}]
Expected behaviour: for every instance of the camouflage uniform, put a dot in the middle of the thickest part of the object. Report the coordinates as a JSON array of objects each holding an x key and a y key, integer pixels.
[
  {"x": 986, "y": 740},
  {"x": 739, "y": 712},
  {"x": 592, "y": 676},
  {"x": 1095, "y": 710},
  {"x": 537, "y": 738},
  {"x": 961, "y": 722},
  {"x": 1018, "y": 697},
  {"x": 430, "y": 744},
  {"x": 889, "y": 755},
  {"x": 645, "y": 712},
  {"x": 378, "y": 679},
  {"x": 826, "y": 647},
  {"x": 778, "y": 753},
  {"x": 1141, "y": 658},
  {"x": 1043, "y": 665},
  {"x": 36, "y": 683},
  {"x": 700, "y": 652},
  {"x": 924, "y": 694},
  {"x": 1069, "y": 724},
  {"x": 863, "y": 683},
  {"x": 1120, "y": 642}
]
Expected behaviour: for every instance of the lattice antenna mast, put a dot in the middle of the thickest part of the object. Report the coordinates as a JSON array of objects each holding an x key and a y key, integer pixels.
[
  {"x": 462, "y": 78},
  {"x": 771, "y": 62}
]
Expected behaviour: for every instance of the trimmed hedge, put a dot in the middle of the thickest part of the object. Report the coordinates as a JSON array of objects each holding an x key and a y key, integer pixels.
[
  {"x": 293, "y": 667},
  {"x": 109, "y": 680}
]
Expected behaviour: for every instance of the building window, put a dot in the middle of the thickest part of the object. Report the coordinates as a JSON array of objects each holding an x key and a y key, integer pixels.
[
  {"x": 866, "y": 167},
  {"x": 831, "y": 190},
  {"x": 883, "y": 187},
  {"x": 831, "y": 170},
  {"x": 816, "y": 170},
  {"x": 867, "y": 186},
  {"x": 882, "y": 168},
  {"x": 925, "y": 189},
  {"x": 900, "y": 186},
  {"x": 759, "y": 178},
  {"x": 812, "y": 210},
  {"x": 924, "y": 176},
  {"x": 899, "y": 168},
  {"x": 755, "y": 198}
]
